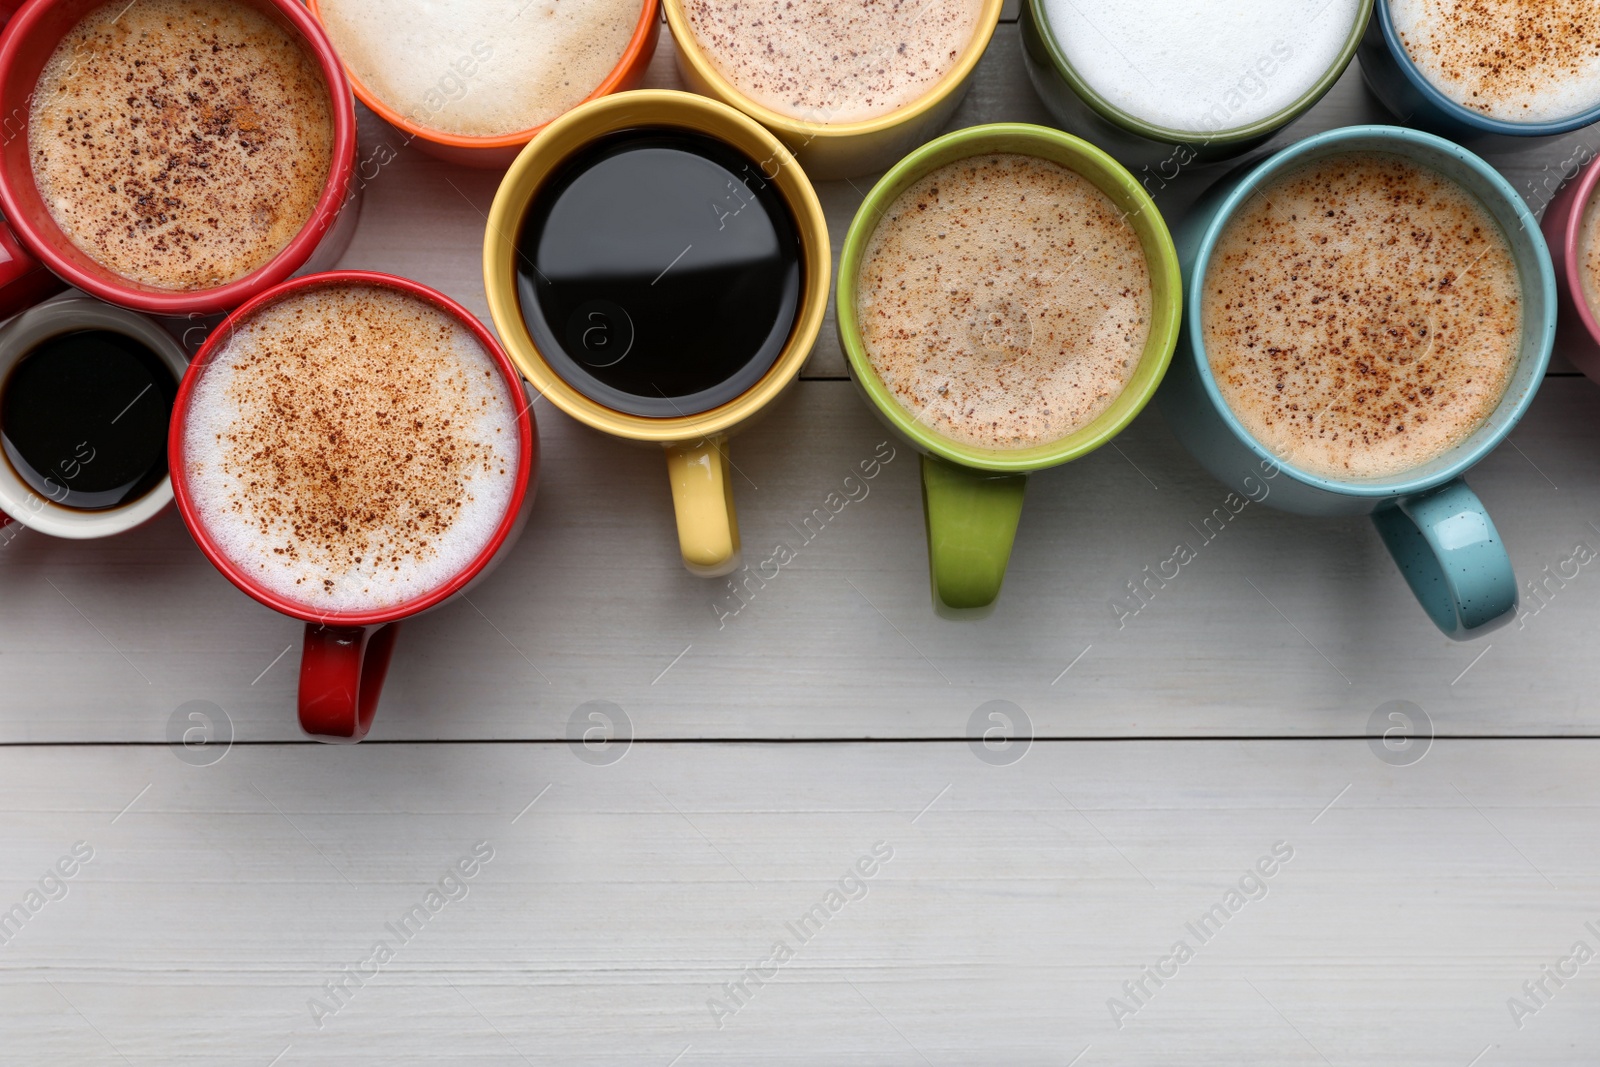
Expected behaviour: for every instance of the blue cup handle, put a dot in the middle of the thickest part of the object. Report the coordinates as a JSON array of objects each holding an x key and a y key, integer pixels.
[{"x": 1452, "y": 557}]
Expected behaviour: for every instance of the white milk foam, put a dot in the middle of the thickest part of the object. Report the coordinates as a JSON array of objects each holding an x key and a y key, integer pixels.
[
  {"x": 1201, "y": 67},
  {"x": 1513, "y": 60},
  {"x": 351, "y": 449},
  {"x": 481, "y": 68}
]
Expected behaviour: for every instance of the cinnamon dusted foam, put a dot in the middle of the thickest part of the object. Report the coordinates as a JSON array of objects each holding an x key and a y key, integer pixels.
[
  {"x": 1362, "y": 315},
  {"x": 1513, "y": 60},
  {"x": 833, "y": 61},
  {"x": 180, "y": 143},
  {"x": 351, "y": 448},
  {"x": 1004, "y": 300}
]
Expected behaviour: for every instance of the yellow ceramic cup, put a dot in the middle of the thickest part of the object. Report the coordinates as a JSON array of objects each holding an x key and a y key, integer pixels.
[
  {"x": 846, "y": 149},
  {"x": 696, "y": 445}
]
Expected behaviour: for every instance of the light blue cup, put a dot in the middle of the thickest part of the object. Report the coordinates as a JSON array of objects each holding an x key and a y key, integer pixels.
[
  {"x": 1435, "y": 526},
  {"x": 1396, "y": 80}
]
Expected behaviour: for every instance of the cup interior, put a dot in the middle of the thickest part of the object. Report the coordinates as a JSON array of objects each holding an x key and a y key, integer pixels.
[
  {"x": 21, "y": 336},
  {"x": 29, "y": 41},
  {"x": 691, "y": 50},
  {"x": 1534, "y": 273},
  {"x": 667, "y": 109},
  {"x": 1576, "y": 239},
  {"x": 1465, "y": 116},
  {"x": 1231, "y": 135},
  {"x": 1111, "y": 178},
  {"x": 648, "y": 14},
  {"x": 177, "y": 447}
]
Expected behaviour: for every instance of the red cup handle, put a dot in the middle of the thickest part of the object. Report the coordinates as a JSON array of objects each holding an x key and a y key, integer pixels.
[
  {"x": 24, "y": 281},
  {"x": 341, "y": 675}
]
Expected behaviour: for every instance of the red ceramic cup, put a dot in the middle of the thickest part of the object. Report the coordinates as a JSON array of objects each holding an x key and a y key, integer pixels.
[
  {"x": 1577, "y": 329},
  {"x": 29, "y": 40},
  {"x": 347, "y": 653}
]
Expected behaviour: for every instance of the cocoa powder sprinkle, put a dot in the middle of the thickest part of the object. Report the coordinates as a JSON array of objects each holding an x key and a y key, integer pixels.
[{"x": 180, "y": 143}]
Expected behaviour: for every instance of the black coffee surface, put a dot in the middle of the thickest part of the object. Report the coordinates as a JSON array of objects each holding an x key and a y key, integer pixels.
[
  {"x": 83, "y": 419},
  {"x": 659, "y": 272}
]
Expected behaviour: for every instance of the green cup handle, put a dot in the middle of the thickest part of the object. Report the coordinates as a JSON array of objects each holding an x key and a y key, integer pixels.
[{"x": 972, "y": 521}]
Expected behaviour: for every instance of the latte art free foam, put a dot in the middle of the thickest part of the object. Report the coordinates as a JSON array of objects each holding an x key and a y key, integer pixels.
[
  {"x": 481, "y": 68},
  {"x": 1362, "y": 316},
  {"x": 1513, "y": 60},
  {"x": 1201, "y": 67},
  {"x": 1589, "y": 256},
  {"x": 180, "y": 143},
  {"x": 1004, "y": 301},
  {"x": 351, "y": 449},
  {"x": 833, "y": 61}
]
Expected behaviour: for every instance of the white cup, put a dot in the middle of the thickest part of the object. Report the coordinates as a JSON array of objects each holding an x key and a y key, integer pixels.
[{"x": 22, "y": 335}]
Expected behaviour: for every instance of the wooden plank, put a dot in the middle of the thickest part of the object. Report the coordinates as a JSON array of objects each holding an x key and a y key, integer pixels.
[
  {"x": 1016, "y": 903},
  {"x": 1283, "y": 625}
]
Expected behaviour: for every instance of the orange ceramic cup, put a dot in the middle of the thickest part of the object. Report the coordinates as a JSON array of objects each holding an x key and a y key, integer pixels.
[{"x": 498, "y": 151}]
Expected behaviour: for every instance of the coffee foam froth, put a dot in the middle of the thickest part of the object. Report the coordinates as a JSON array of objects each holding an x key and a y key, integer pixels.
[
  {"x": 1513, "y": 60},
  {"x": 481, "y": 68},
  {"x": 180, "y": 143},
  {"x": 1362, "y": 316},
  {"x": 351, "y": 448},
  {"x": 1004, "y": 301},
  {"x": 1588, "y": 280},
  {"x": 834, "y": 61},
  {"x": 1201, "y": 67}
]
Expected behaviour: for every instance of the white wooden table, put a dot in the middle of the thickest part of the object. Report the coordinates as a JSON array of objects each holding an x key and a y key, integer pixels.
[{"x": 635, "y": 884}]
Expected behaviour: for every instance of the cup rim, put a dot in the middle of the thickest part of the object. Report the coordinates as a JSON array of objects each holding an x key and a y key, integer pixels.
[
  {"x": 1572, "y": 248},
  {"x": 608, "y": 85},
  {"x": 527, "y": 455},
  {"x": 41, "y": 237},
  {"x": 1465, "y": 115},
  {"x": 1166, "y": 135},
  {"x": 1516, "y": 405},
  {"x": 799, "y": 129},
  {"x": 1161, "y": 258},
  {"x": 620, "y": 111},
  {"x": 38, "y": 324}
]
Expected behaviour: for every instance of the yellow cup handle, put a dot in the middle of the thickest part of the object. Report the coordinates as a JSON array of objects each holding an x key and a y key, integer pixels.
[{"x": 702, "y": 496}]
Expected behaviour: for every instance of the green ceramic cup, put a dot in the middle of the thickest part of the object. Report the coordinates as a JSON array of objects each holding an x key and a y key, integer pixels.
[{"x": 972, "y": 497}]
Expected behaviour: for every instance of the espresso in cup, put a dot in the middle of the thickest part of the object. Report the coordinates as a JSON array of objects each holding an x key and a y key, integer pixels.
[
  {"x": 1201, "y": 68},
  {"x": 1524, "y": 61},
  {"x": 834, "y": 61},
  {"x": 1004, "y": 300},
  {"x": 1362, "y": 316},
  {"x": 480, "y": 68},
  {"x": 181, "y": 144},
  {"x": 351, "y": 448},
  {"x": 659, "y": 272},
  {"x": 83, "y": 418}
]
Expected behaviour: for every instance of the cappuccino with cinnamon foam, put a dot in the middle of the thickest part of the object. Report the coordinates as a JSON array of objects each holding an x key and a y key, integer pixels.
[
  {"x": 1513, "y": 60},
  {"x": 1362, "y": 316},
  {"x": 181, "y": 144},
  {"x": 834, "y": 61},
  {"x": 1005, "y": 301},
  {"x": 351, "y": 448}
]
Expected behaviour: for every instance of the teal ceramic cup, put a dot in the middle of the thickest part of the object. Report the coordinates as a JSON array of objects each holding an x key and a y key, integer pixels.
[{"x": 1433, "y": 524}]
